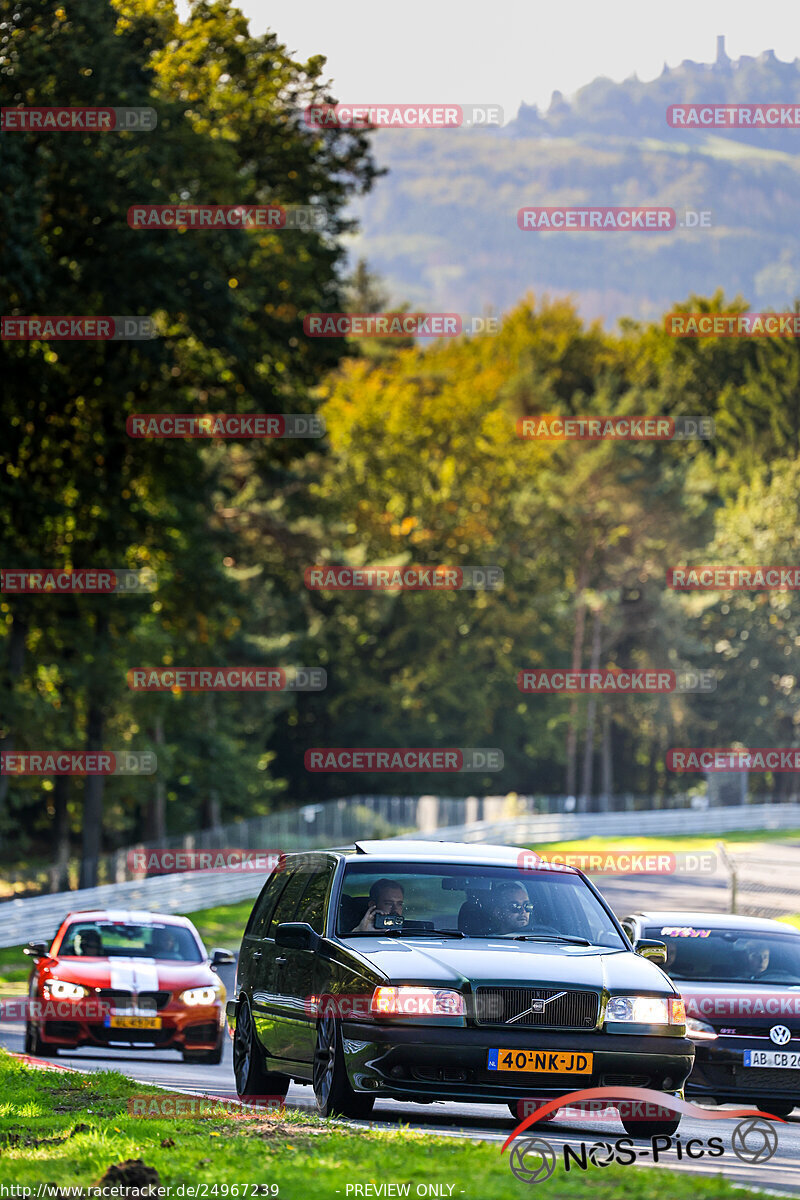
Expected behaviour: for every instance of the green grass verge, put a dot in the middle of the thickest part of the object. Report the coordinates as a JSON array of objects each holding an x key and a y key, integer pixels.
[
  {"x": 67, "y": 1129},
  {"x": 14, "y": 968},
  {"x": 222, "y": 926},
  {"x": 742, "y": 838}
]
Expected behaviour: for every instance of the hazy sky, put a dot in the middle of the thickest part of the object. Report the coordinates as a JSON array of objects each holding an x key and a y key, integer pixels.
[{"x": 507, "y": 51}]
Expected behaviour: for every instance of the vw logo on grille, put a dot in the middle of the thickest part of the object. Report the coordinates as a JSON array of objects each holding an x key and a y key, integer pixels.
[{"x": 780, "y": 1035}]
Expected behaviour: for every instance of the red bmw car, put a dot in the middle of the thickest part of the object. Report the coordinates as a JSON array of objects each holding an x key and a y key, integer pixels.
[{"x": 126, "y": 980}]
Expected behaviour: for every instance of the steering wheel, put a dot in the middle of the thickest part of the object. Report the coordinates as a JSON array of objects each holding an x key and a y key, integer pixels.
[{"x": 546, "y": 929}]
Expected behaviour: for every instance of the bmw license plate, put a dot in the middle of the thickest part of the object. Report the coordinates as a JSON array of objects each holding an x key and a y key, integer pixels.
[
  {"x": 790, "y": 1059},
  {"x": 557, "y": 1062},
  {"x": 133, "y": 1022}
]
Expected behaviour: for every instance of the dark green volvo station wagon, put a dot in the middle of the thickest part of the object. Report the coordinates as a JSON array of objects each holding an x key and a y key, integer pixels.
[{"x": 446, "y": 971}]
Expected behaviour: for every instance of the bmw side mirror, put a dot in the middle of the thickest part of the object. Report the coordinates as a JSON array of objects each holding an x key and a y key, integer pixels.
[
  {"x": 655, "y": 951},
  {"x": 36, "y": 949},
  {"x": 296, "y": 935},
  {"x": 221, "y": 958}
]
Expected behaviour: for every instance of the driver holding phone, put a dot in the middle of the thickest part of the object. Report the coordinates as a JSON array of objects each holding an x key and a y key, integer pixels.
[{"x": 385, "y": 899}]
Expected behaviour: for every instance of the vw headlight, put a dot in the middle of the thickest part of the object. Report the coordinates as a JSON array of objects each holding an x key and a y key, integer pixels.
[
  {"x": 700, "y": 1031},
  {"x": 59, "y": 989},
  {"x": 646, "y": 1010},
  {"x": 200, "y": 995}
]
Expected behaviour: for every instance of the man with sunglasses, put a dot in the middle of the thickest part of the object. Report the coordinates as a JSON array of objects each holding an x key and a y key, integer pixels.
[{"x": 509, "y": 908}]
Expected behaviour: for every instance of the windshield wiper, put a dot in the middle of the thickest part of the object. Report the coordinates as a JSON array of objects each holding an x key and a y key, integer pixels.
[{"x": 548, "y": 937}]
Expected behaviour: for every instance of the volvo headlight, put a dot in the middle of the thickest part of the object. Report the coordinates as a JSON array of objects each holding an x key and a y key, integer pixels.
[
  {"x": 59, "y": 989},
  {"x": 646, "y": 1010},
  {"x": 416, "y": 1002},
  {"x": 200, "y": 995}
]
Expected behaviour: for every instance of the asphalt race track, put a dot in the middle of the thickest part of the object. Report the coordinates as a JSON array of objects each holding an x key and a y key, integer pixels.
[{"x": 486, "y": 1122}]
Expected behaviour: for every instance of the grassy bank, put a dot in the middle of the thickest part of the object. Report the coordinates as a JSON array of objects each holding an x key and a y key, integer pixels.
[
  {"x": 68, "y": 1129},
  {"x": 742, "y": 840}
]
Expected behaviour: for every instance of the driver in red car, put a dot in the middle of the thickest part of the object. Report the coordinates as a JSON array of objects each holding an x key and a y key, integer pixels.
[
  {"x": 88, "y": 942},
  {"x": 164, "y": 944}
]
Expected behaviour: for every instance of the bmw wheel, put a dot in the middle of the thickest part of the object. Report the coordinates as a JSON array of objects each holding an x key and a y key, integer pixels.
[
  {"x": 206, "y": 1056},
  {"x": 34, "y": 1044}
]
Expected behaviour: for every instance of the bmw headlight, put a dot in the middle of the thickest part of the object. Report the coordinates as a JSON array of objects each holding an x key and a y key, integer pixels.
[
  {"x": 646, "y": 1010},
  {"x": 200, "y": 995},
  {"x": 700, "y": 1031},
  {"x": 59, "y": 989}
]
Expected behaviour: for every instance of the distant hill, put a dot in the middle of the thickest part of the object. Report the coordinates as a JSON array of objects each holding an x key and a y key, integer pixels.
[{"x": 441, "y": 226}]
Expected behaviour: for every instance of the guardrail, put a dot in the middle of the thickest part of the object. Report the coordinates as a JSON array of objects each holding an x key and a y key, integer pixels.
[
  {"x": 335, "y": 822},
  {"x": 37, "y": 917},
  {"x": 581, "y": 825}
]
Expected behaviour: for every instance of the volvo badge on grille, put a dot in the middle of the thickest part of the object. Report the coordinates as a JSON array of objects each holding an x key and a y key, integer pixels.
[{"x": 536, "y": 1007}]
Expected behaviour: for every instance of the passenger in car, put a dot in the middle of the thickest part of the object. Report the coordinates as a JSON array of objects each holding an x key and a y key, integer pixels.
[{"x": 509, "y": 909}]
